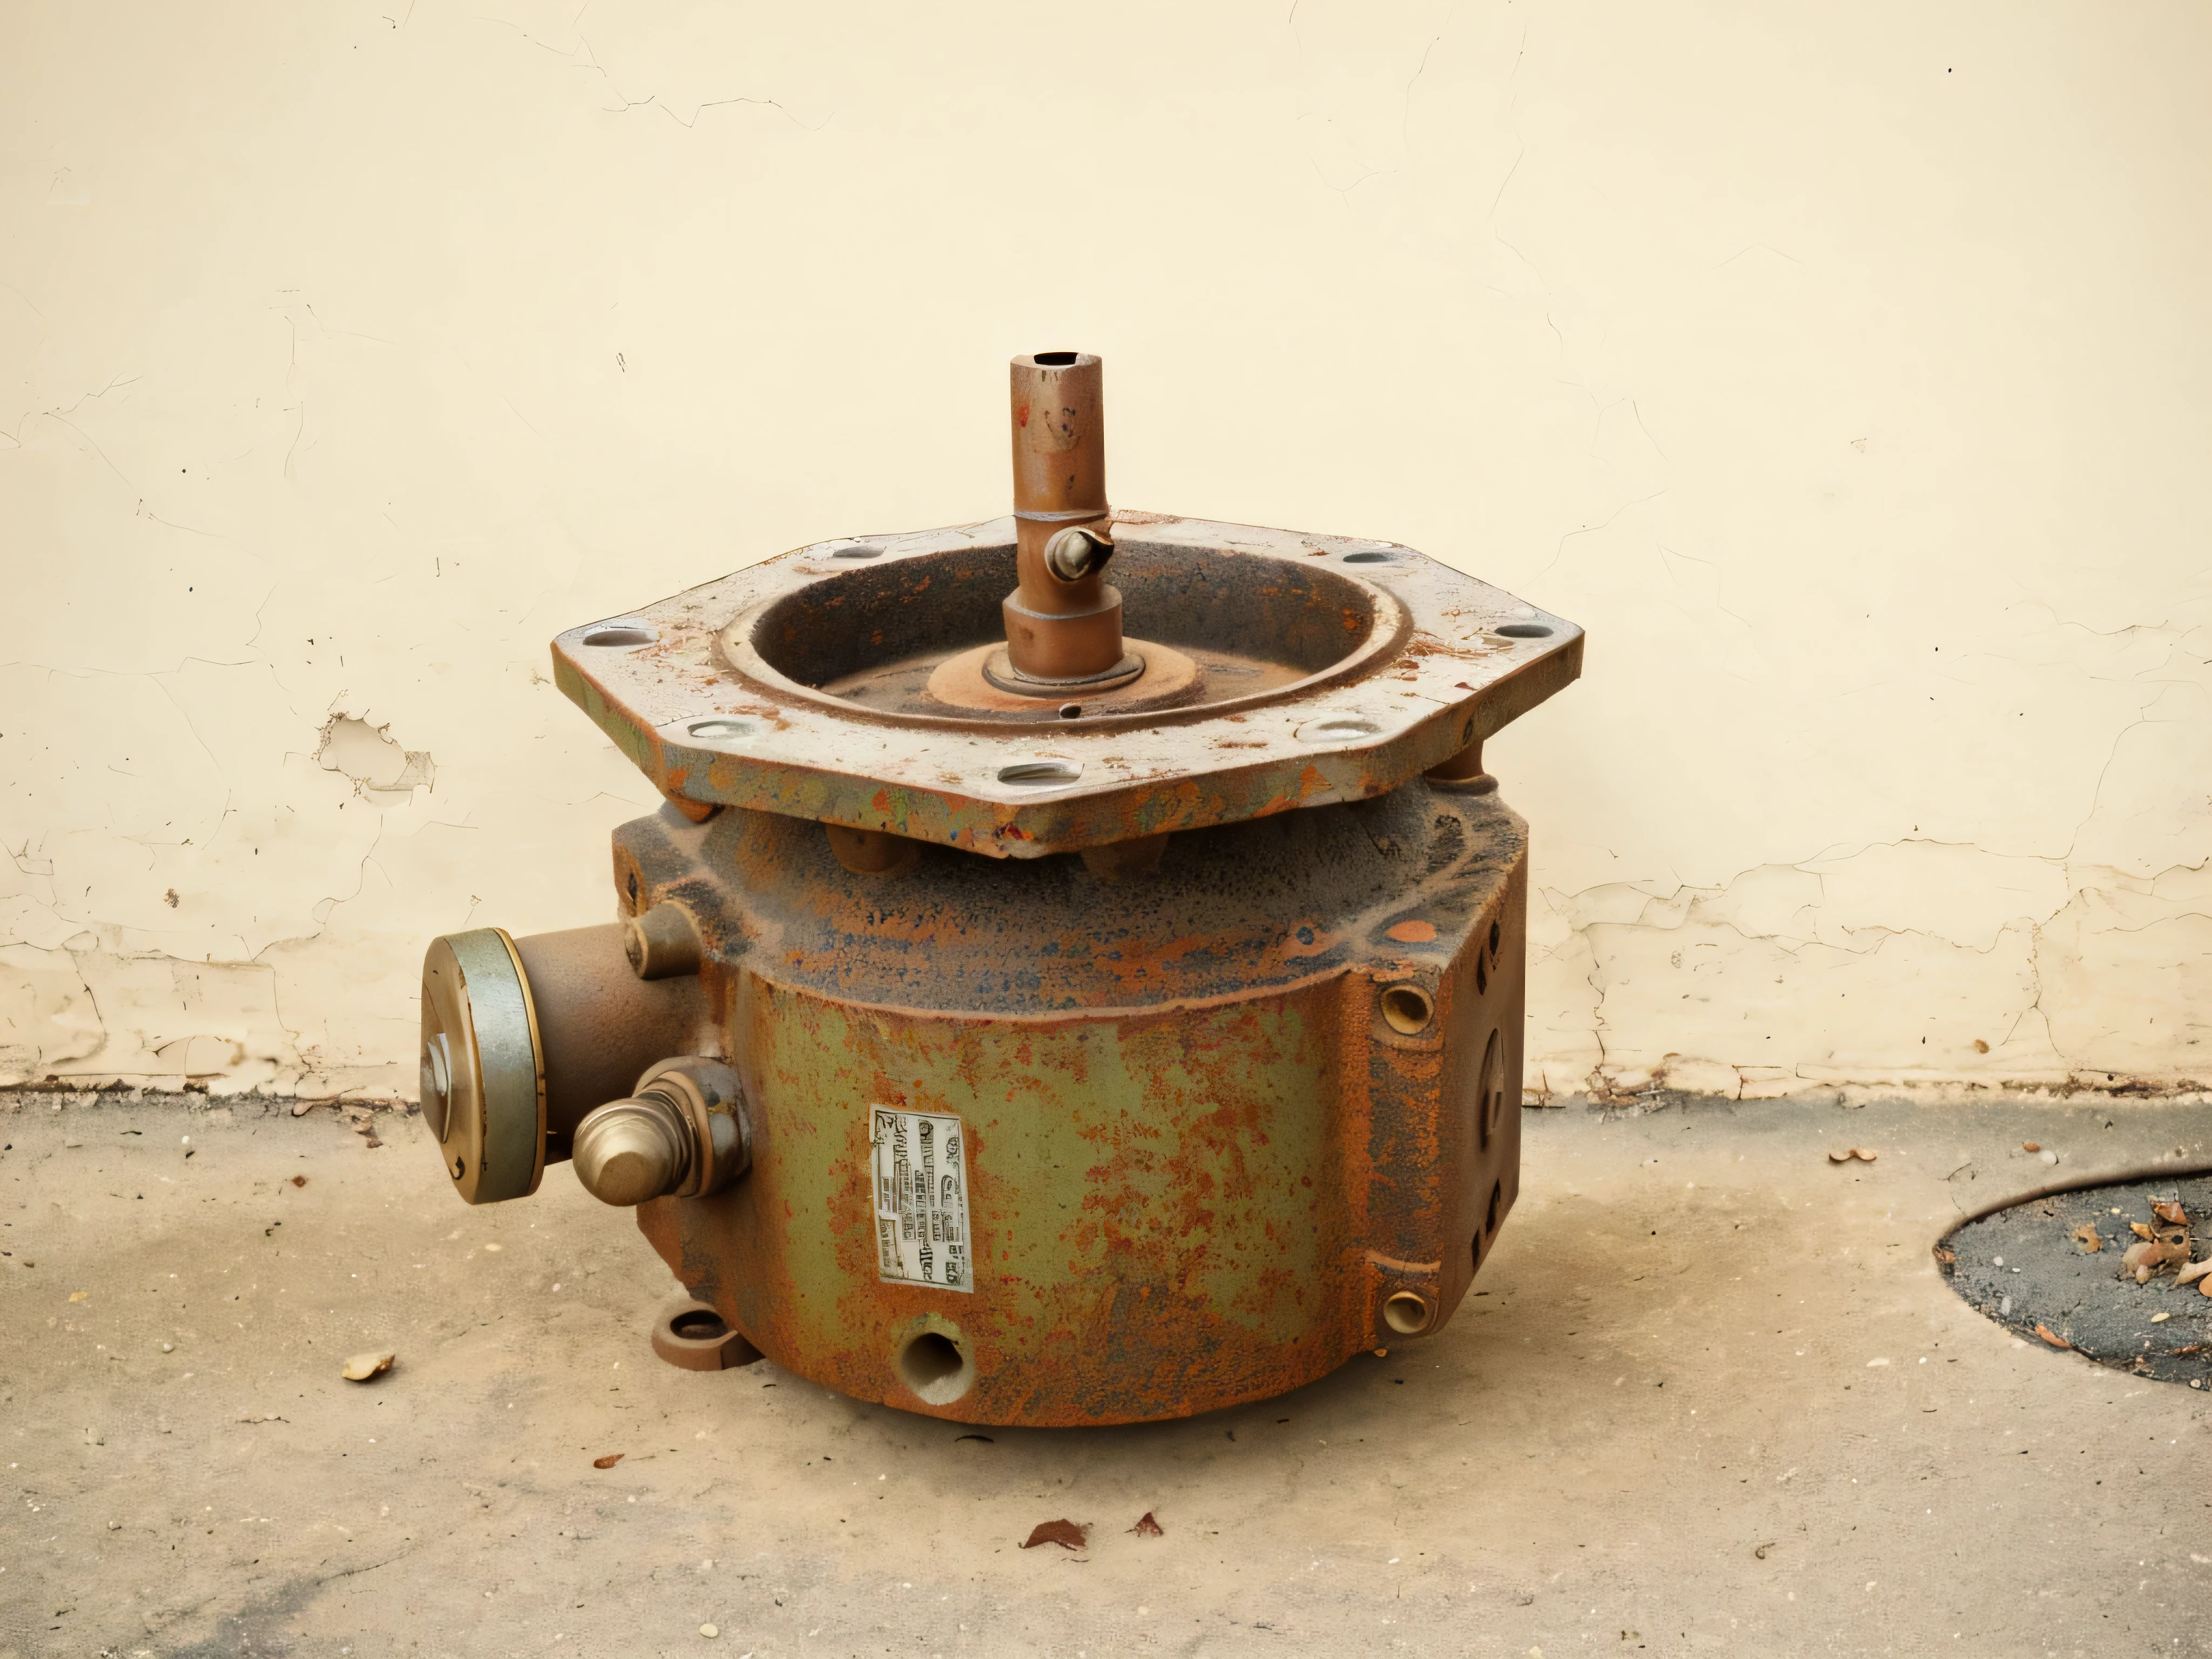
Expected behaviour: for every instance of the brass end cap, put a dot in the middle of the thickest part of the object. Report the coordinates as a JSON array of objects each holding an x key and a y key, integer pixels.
[
  {"x": 632, "y": 1150},
  {"x": 686, "y": 1132}
]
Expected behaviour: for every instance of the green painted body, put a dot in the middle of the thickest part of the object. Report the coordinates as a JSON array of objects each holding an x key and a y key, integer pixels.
[{"x": 1199, "y": 1157}]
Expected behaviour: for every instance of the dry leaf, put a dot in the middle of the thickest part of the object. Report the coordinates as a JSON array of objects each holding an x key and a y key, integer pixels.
[
  {"x": 2205, "y": 1286},
  {"x": 2052, "y": 1337},
  {"x": 1864, "y": 1154},
  {"x": 2160, "y": 1318},
  {"x": 299, "y": 1180},
  {"x": 79, "y": 1296},
  {"x": 362, "y": 1367},
  {"x": 2140, "y": 1230},
  {"x": 2031, "y": 1146},
  {"x": 2169, "y": 1211},
  {"x": 609, "y": 1460},
  {"x": 2088, "y": 1238},
  {"x": 1065, "y": 1534},
  {"x": 1146, "y": 1527},
  {"x": 2193, "y": 1272},
  {"x": 1844, "y": 1157}
]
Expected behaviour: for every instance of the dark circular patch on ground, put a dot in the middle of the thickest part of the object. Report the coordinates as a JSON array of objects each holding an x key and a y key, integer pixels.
[{"x": 2087, "y": 1300}]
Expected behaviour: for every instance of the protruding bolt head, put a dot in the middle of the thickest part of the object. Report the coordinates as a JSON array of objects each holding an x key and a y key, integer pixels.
[
  {"x": 633, "y": 1151},
  {"x": 1076, "y": 553},
  {"x": 662, "y": 943}
]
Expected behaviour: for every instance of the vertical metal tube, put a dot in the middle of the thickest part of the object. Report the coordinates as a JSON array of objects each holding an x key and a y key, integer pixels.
[{"x": 1061, "y": 627}]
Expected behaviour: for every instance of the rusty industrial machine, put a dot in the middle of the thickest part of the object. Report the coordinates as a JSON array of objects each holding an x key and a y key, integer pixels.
[{"x": 1077, "y": 975}]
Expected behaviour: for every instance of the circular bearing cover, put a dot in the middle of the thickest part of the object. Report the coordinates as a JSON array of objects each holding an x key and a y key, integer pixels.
[{"x": 483, "y": 1069}]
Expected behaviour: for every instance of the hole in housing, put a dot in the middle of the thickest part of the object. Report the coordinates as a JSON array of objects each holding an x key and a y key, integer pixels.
[
  {"x": 1406, "y": 1314},
  {"x": 1523, "y": 631},
  {"x": 1407, "y": 1009},
  {"x": 1055, "y": 359},
  {"x": 1039, "y": 774},
  {"x": 1489, "y": 1102},
  {"x": 858, "y": 551},
  {"x": 1071, "y": 711},
  {"x": 620, "y": 636},
  {"x": 719, "y": 728},
  {"x": 1370, "y": 557},
  {"x": 932, "y": 1366},
  {"x": 1497, "y": 1198},
  {"x": 699, "y": 1324}
]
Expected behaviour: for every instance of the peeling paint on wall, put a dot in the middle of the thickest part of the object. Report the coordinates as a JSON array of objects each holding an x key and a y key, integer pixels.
[
  {"x": 382, "y": 772},
  {"x": 1843, "y": 377}
]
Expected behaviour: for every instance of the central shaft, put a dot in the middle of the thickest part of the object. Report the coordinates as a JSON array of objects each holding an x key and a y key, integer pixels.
[{"x": 1063, "y": 622}]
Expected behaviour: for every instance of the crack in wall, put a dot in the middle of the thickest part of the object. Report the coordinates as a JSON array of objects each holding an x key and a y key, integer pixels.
[{"x": 1997, "y": 1029}]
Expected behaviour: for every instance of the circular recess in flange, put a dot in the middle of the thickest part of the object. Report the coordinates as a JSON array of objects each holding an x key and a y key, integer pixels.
[
  {"x": 2056, "y": 1270},
  {"x": 1216, "y": 628},
  {"x": 719, "y": 731}
]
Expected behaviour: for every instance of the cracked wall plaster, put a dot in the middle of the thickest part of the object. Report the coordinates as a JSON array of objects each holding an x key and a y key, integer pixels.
[
  {"x": 1843, "y": 376},
  {"x": 380, "y": 769}
]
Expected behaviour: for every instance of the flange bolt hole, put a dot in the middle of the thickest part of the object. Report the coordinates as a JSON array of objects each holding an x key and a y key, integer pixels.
[{"x": 934, "y": 1366}]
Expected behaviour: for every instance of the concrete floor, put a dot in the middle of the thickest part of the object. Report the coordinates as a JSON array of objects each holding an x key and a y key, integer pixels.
[{"x": 1713, "y": 1397}]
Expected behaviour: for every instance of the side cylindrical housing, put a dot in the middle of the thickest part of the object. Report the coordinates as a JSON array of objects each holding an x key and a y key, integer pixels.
[
  {"x": 600, "y": 1025},
  {"x": 522, "y": 1037},
  {"x": 1025, "y": 1152}
]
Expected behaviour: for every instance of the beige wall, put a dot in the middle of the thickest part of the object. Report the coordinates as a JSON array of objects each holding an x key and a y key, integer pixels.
[{"x": 1843, "y": 369}]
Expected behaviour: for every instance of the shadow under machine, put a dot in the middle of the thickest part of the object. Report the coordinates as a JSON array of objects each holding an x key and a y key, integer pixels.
[{"x": 1020, "y": 1017}]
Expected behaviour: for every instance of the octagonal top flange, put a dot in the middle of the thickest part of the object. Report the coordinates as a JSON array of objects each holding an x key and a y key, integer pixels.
[{"x": 1422, "y": 660}]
